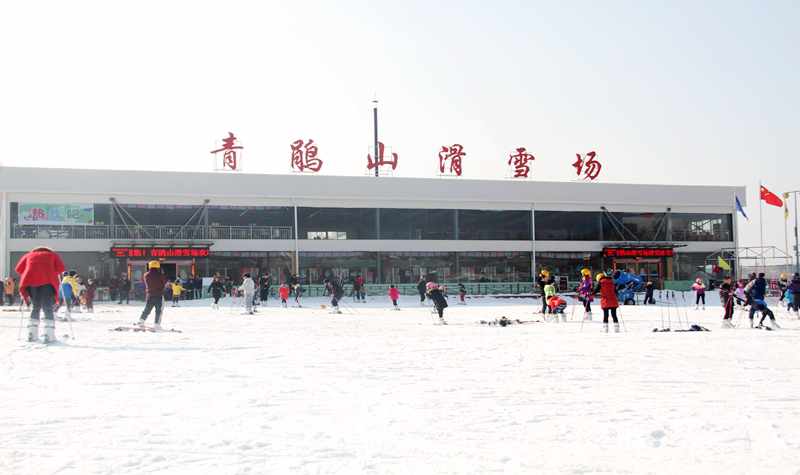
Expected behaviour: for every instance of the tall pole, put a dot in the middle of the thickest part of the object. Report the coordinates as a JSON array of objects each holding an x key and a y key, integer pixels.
[
  {"x": 375, "y": 130},
  {"x": 296, "y": 245},
  {"x": 796, "y": 244},
  {"x": 761, "y": 226},
  {"x": 736, "y": 273}
]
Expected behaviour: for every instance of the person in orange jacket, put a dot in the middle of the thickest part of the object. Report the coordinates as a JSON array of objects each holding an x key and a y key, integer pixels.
[{"x": 283, "y": 293}]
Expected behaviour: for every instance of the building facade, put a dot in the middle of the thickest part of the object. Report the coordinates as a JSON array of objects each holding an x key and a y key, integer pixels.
[{"x": 387, "y": 229}]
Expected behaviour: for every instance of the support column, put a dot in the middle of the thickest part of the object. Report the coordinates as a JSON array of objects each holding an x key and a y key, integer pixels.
[
  {"x": 533, "y": 242},
  {"x": 296, "y": 245},
  {"x": 5, "y": 231}
]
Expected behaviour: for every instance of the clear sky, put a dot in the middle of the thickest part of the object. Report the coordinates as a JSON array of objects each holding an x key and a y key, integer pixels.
[{"x": 665, "y": 92}]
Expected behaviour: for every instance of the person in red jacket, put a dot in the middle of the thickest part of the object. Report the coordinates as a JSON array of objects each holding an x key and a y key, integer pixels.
[
  {"x": 394, "y": 296},
  {"x": 154, "y": 282},
  {"x": 39, "y": 272},
  {"x": 283, "y": 293},
  {"x": 608, "y": 300}
]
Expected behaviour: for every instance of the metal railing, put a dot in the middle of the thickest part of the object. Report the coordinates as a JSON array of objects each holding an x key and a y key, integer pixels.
[{"x": 149, "y": 232}]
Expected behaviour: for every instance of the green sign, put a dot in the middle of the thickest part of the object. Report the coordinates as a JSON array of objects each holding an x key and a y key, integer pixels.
[{"x": 44, "y": 213}]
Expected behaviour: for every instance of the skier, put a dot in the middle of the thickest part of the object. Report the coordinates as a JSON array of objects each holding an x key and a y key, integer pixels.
[
  {"x": 358, "y": 289},
  {"x": 543, "y": 280},
  {"x": 758, "y": 293},
  {"x": 434, "y": 292},
  {"x": 783, "y": 284},
  {"x": 154, "y": 282},
  {"x": 421, "y": 288},
  {"x": 248, "y": 288},
  {"x": 177, "y": 290},
  {"x": 125, "y": 290},
  {"x": 794, "y": 291},
  {"x": 741, "y": 298},
  {"x": 283, "y": 293},
  {"x": 700, "y": 290},
  {"x": 394, "y": 296},
  {"x": 726, "y": 297},
  {"x": 66, "y": 295},
  {"x": 334, "y": 288},
  {"x": 649, "y": 288},
  {"x": 8, "y": 290},
  {"x": 608, "y": 300},
  {"x": 585, "y": 293},
  {"x": 38, "y": 280},
  {"x": 216, "y": 289},
  {"x": 462, "y": 292},
  {"x": 265, "y": 282},
  {"x": 555, "y": 303},
  {"x": 298, "y": 293},
  {"x": 91, "y": 289}
]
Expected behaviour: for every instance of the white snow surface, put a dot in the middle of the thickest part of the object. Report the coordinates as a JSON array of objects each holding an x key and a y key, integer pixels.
[{"x": 372, "y": 390}]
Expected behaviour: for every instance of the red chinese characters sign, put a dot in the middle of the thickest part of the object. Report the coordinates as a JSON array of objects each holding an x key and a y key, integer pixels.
[
  {"x": 380, "y": 161},
  {"x": 304, "y": 156},
  {"x": 519, "y": 161},
  {"x": 589, "y": 166},
  {"x": 156, "y": 252},
  {"x": 230, "y": 160},
  {"x": 636, "y": 252},
  {"x": 453, "y": 154}
]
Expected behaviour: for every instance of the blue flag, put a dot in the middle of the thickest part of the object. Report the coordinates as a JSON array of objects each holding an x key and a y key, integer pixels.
[{"x": 740, "y": 209}]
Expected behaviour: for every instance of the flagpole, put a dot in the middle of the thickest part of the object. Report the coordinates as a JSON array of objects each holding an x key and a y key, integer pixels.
[
  {"x": 735, "y": 273},
  {"x": 761, "y": 225}
]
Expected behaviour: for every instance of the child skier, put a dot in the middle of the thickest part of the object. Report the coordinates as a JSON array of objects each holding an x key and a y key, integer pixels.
[
  {"x": 154, "y": 282},
  {"x": 217, "y": 288},
  {"x": 334, "y": 288},
  {"x": 700, "y": 290},
  {"x": 91, "y": 289},
  {"x": 434, "y": 292},
  {"x": 38, "y": 283},
  {"x": 726, "y": 297},
  {"x": 421, "y": 288},
  {"x": 66, "y": 295},
  {"x": 758, "y": 292},
  {"x": 608, "y": 300},
  {"x": 177, "y": 290},
  {"x": 248, "y": 289},
  {"x": 649, "y": 288},
  {"x": 794, "y": 291},
  {"x": 462, "y": 292},
  {"x": 8, "y": 290},
  {"x": 741, "y": 298},
  {"x": 283, "y": 293},
  {"x": 557, "y": 305},
  {"x": 298, "y": 292},
  {"x": 394, "y": 296},
  {"x": 585, "y": 293}
]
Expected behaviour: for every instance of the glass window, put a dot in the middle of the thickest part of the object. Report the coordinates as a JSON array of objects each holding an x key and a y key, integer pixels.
[
  {"x": 407, "y": 267},
  {"x": 494, "y": 225},
  {"x": 494, "y": 266},
  {"x": 689, "y": 265},
  {"x": 315, "y": 267},
  {"x": 568, "y": 226},
  {"x": 569, "y": 264},
  {"x": 701, "y": 227},
  {"x": 347, "y": 223},
  {"x": 250, "y": 216},
  {"x": 417, "y": 223},
  {"x": 635, "y": 227}
]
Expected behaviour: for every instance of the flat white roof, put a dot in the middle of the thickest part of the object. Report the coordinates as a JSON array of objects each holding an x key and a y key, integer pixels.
[{"x": 232, "y": 188}]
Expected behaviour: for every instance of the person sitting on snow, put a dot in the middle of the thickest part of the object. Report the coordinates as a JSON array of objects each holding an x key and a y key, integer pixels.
[
  {"x": 336, "y": 291},
  {"x": 555, "y": 303}
]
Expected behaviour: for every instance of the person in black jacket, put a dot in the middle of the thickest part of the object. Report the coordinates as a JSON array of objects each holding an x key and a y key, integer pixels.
[
  {"x": 334, "y": 288},
  {"x": 436, "y": 294},
  {"x": 421, "y": 289},
  {"x": 726, "y": 298},
  {"x": 217, "y": 288},
  {"x": 544, "y": 279},
  {"x": 649, "y": 287},
  {"x": 125, "y": 289},
  {"x": 264, "y": 284}
]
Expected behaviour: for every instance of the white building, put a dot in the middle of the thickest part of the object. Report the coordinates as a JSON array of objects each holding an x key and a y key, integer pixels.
[{"x": 388, "y": 229}]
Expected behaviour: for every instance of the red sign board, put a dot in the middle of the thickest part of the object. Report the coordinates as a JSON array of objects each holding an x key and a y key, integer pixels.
[
  {"x": 636, "y": 252},
  {"x": 156, "y": 252}
]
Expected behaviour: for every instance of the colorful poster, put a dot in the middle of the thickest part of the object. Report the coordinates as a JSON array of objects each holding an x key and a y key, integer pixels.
[{"x": 44, "y": 213}]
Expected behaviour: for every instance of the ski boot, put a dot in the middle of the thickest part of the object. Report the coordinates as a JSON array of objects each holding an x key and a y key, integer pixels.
[
  {"x": 441, "y": 320},
  {"x": 605, "y": 328},
  {"x": 726, "y": 323},
  {"x": 33, "y": 329},
  {"x": 616, "y": 328},
  {"x": 49, "y": 331},
  {"x": 774, "y": 324},
  {"x": 157, "y": 327},
  {"x": 563, "y": 318},
  {"x": 139, "y": 323},
  {"x": 587, "y": 316},
  {"x": 751, "y": 323}
]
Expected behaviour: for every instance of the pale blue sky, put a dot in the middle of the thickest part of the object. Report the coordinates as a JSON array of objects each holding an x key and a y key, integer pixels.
[{"x": 665, "y": 92}]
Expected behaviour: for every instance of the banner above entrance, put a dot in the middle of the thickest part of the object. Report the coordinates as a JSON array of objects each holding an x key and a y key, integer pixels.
[
  {"x": 156, "y": 252},
  {"x": 637, "y": 252}
]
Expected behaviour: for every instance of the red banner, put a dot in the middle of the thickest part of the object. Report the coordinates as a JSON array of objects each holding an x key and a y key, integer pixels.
[
  {"x": 156, "y": 252},
  {"x": 636, "y": 252}
]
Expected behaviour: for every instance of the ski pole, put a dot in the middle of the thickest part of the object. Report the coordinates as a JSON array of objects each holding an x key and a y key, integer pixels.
[{"x": 21, "y": 321}]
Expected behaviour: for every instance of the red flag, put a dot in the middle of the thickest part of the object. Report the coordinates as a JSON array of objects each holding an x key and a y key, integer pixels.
[{"x": 770, "y": 197}]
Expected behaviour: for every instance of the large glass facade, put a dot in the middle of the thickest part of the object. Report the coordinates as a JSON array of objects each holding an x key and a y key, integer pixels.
[
  {"x": 315, "y": 267},
  {"x": 569, "y": 264},
  {"x": 417, "y": 224},
  {"x": 494, "y": 266},
  {"x": 701, "y": 227},
  {"x": 635, "y": 227},
  {"x": 337, "y": 223},
  {"x": 407, "y": 267},
  {"x": 568, "y": 226},
  {"x": 494, "y": 225},
  {"x": 688, "y": 265}
]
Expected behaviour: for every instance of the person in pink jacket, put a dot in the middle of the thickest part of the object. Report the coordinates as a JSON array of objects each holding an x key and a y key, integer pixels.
[
  {"x": 394, "y": 295},
  {"x": 700, "y": 290}
]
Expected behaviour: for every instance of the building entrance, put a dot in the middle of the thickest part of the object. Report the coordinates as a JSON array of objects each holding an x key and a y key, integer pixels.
[{"x": 648, "y": 269}]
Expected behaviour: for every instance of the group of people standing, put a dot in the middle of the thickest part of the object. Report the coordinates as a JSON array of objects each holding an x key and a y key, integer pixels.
[{"x": 602, "y": 285}]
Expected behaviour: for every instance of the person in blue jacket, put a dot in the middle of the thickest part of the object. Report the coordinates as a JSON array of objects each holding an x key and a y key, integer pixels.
[{"x": 758, "y": 293}]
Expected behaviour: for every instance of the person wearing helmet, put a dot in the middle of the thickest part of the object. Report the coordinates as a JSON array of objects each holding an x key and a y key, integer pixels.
[
  {"x": 700, "y": 290},
  {"x": 421, "y": 290},
  {"x": 434, "y": 292},
  {"x": 608, "y": 299},
  {"x": 336, "y": 291},
  {"x": 758, "y": 296},
  {"x": 783, "y": 284},
  {"x": 67, "y": 295},
  {"x": 794, "y": 291},
  {"x": 124, "y": 289},
  {"x": 154, "y": 282},
  {"x": 248, "y": 289},
  {"x": 544, "y": 279},
  {"x": 585, "y": 293},
  {"x": 555, "y": 304}
]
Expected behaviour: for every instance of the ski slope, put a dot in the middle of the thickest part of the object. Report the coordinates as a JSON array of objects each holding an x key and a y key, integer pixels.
[{"x": 298, "y": 390}]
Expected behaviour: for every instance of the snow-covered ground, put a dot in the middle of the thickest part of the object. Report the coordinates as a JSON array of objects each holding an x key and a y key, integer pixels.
[{"x": 377, "y": 391}]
